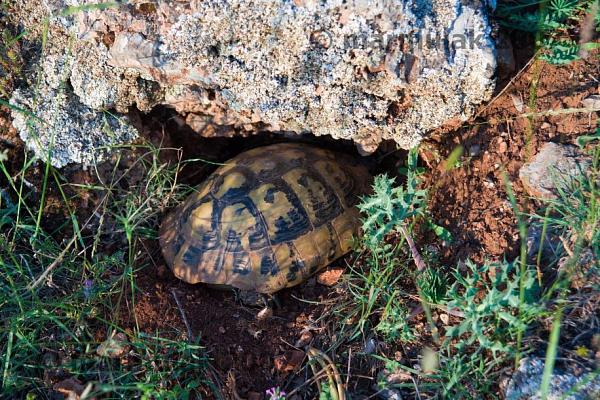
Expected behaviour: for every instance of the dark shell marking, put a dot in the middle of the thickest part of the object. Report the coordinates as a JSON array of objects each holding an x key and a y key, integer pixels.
[{"x": 267, "y": 219}]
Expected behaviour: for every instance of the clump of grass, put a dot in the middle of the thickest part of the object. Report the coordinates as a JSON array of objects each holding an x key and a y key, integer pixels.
[
  {"x": 11, "y": 62},
  {"x": 433, "y": 284},
  {"x": 62, "y": 288},
  {"x": 373, "y": 288},
  {"x": 556, "y": 23},
  {"x": 495, "y": 306},
  {"x": 576, "y": 219}
]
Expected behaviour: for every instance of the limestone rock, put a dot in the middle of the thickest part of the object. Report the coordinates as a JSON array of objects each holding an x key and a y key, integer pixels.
[
  {"x": 114, "y": 347},
  {"x": 61, "y": 115},
  {"x": 592, "y": 102},
  {"x": 525, "y": 383},
  {"x": 551, "y": 168},
  {"x": 57, "y": 127},
  {"x": 361, "y": 70}
]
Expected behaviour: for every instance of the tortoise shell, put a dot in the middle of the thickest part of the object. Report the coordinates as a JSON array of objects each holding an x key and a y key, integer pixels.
[{"x": 267, "y": 219}]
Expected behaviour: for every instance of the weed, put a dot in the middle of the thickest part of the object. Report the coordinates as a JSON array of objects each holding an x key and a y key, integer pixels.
[
  {"x": 555, "y": 22},
  {"x": 465, "y": 376},
  {"x": 488, "y": 297},
  {"x": 391, "y": 207},
  {"x": 60, "y": 288},
  {"x": 392, "y": 324},
  {"x": 371, "y": 288},
  {"x": 433, "y": 285},
  {"x": 576, "y": 219}
]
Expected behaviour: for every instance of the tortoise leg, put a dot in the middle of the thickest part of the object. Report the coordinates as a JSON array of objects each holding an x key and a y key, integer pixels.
[{"x": 271, "y": 300}]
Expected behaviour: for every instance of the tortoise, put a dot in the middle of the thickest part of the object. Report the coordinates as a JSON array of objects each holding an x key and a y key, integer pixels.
[{"x": 267, "y": 219}]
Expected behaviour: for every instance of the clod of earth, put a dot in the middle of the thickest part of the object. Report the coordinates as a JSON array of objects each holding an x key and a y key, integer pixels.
[
  {"x": 268, "y": 219},
  {"x": 330, "y": 276},
  {"x": 366, "y": 71},
  {"x": 289, "y": 362}
]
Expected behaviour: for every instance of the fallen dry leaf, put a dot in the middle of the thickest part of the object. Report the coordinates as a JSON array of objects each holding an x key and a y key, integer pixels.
[
  {"x": 289, "y": 361},
  {"x": 71, "y": 388},
  {"x": 305, "y": 339}
]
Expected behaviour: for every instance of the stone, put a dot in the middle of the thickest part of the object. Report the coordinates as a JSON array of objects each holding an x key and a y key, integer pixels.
[
  {"x": 370, "y": 346},
  {"x": 57, "y": 124},
  {"x": 114, "y": 347},
  {"x": 517, "y": 102},
  {"x": 552, "y": 168},
  {"x": 264, "y": 314},
  {"x": 502, "y": 147},
  {"x": 387, "y": 393},
  {"x": 525, "y": 383},
  {"x": 592, "y": 102},
  {"x": 361, "y": 70},
  {"x": 445, "y": 318},
  {"x": 474, "y": 150},
  {"x": 385, "y": 381},
  {"x": 57, "y": 127},
  {"x": 551, "y": 245}
]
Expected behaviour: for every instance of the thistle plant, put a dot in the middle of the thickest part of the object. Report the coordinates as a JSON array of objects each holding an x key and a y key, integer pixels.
[
  {"x": 391, "y": 207},
  {"x": 554, "y": 21},
  {"x": 488, "y": 297}
]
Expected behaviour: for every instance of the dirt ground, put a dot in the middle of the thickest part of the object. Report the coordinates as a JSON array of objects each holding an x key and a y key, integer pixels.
[
  {"x": 471, "y": 200},
  {"x": 251, "y": 356}
]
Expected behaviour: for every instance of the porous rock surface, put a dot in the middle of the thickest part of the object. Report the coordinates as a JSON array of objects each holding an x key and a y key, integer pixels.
[
  {"x": 565, "y": 385},
  {"x": 361, "y": 70},
  {"x": 552, "y": 168}
]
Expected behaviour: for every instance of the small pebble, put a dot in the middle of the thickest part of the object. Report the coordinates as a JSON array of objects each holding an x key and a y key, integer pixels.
[
  {"x": 474, "y": 150},
  {"x": 264, "y": 314},
  {"x": 445, "y": 319},
  {"x": 592, "y": 102},
  {"x": 517, "y": 102},
  {"x": 305, "y": 339},
  {"x": 502, "y": 147},
  {"x": 370, "y": 346}
]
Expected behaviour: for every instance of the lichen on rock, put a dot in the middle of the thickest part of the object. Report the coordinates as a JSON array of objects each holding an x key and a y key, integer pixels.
[
  {"x": 361, "y": 70},
  {"x": 567, "y": 385},
  {"x": 62, "y": 130}
]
